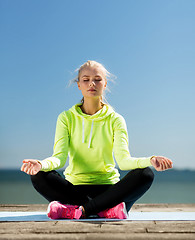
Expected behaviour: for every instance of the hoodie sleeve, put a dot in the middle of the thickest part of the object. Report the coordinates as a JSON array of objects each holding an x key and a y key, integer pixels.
[
  {"x": 121, "y": 149},
  {"x": 61, "y": 145}
]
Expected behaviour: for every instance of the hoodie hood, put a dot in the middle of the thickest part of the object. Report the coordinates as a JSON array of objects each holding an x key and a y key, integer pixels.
[{"x": 98, "y": 116}]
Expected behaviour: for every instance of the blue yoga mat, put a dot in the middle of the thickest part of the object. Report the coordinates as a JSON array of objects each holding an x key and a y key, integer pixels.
[{"x": 133, "y": 216}]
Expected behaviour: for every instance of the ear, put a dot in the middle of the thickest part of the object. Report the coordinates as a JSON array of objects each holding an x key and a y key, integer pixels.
[
  {"x": 78, "y": 84},
  {"x": 105, "y": 84}
]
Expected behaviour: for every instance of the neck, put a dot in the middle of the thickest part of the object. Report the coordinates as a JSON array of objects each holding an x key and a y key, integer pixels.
[{"x": 91, "y": 106}]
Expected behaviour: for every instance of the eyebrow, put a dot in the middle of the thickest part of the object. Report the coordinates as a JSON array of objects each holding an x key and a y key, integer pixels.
[{"x": 88, "y": 76}]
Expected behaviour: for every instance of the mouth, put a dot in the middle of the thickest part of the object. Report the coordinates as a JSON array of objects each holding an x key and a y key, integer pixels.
[{"x": 91, "y": 90}]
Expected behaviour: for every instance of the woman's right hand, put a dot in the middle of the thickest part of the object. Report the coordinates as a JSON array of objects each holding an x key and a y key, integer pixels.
[{"x": 31, "y": 166}]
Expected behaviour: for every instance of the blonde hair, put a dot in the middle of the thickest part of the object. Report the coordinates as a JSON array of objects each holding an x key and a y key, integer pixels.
[{"x": 90, "y": 63}]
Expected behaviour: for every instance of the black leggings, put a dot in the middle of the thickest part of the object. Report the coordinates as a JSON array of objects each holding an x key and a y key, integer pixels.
[{"x": 94, "y": 198}]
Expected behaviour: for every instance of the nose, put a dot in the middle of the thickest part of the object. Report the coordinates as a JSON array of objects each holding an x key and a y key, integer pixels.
[{"x": 91, "y": 83}]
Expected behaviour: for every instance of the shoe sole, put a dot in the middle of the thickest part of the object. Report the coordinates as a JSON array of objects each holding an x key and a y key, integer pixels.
[
  {"x": 125, "y": 211},
  {"x": 77, "y": 213},
  {"x": 49, "y": 208}
]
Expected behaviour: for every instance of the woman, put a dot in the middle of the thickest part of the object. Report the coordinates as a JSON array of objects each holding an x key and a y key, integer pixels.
[{"x": 89, "y": 133}]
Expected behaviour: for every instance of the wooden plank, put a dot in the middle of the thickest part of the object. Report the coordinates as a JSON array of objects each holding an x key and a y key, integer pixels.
[
  {"x": 70, "y": 227},
  {"x": 78, "y": 227},
  {"x": 136, "y": 207},
  {"x": 172, "y": 227},
  {"x": 179, "y": 230},
  {"x": 163, "y": 207},
  {"x": 98, "y": 236}
]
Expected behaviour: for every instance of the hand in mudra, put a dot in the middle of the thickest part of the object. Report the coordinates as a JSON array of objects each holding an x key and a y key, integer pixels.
[
  {"x": 31, "y": 166},
  {"x": 161, "y": 163}
]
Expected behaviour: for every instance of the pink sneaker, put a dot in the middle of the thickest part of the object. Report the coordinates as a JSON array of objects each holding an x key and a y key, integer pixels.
[
  {"x": 56, "y": 210},
  {"x": 119, "y": 212}
]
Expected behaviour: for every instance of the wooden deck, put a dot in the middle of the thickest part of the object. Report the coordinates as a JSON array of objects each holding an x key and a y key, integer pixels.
[{"x": 101, "y": 230}]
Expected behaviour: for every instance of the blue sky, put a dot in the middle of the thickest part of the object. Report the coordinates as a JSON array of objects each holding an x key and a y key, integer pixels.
[{"x": 150, "y": 47}]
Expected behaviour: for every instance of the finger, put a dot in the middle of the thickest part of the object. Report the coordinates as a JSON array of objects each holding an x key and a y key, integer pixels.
[
  {"x": 22, "y": 168},
  {"x": 28, "y": 170},
  {"x": 158, "y": 163},
  {"x": 158, "y": 166},
  {"x": 25, "y": 160},
  {"x": 26, "y": 167},
  {"x": 29, "y": 167},
  {"x": 28, "y": 160},
  {"x": 169, "y": 163},
  {"x": 162, "y": 166},
  {"x": 165, "y": 164},
  {"x": 31, "y": 170}
]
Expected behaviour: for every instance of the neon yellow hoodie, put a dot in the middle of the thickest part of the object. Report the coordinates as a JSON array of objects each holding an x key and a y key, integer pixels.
[{"x": 90, "y": 141}]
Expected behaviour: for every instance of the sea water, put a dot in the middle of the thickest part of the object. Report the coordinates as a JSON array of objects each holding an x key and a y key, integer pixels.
[{"x": 171, "y": 186}]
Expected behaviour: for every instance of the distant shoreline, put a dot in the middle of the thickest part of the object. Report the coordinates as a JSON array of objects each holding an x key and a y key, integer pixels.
[
  {"x": 169, "y": 175},
  {"x": 171, "y": 186}
]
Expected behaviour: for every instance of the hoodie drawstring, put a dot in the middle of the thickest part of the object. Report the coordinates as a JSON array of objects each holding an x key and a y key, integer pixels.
[
  {"x": 83, "y": 130},
  {"x": 90, "y": 133}
]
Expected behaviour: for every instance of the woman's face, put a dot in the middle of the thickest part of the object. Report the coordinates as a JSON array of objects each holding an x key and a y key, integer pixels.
[{"x": 92, "y": 82}]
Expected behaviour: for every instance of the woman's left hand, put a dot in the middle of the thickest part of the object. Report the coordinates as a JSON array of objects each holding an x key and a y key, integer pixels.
[{"x": 161, "y": 163}]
